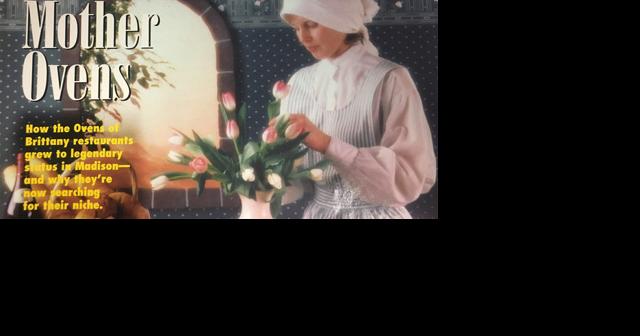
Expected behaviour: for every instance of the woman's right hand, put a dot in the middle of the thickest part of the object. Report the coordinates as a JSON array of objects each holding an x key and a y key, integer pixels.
[{"x": 316, "y": 140}]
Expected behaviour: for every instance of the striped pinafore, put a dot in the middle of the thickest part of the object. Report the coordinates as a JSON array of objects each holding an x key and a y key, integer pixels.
[{"x": 354, "y": 124}]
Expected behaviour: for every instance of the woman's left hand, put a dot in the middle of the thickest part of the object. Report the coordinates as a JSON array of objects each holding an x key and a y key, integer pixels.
[{"x": 316, "y": 140}]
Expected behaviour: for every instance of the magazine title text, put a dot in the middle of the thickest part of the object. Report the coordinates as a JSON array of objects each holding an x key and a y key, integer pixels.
[{"x": 94, "y": 31}]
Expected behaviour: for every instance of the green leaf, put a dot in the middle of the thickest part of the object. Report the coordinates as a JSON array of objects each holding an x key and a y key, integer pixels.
[
  {"x": 174, "y": 176},
  {"x": 322, "y": 164},
  {"x": 250, "y": 150},
  {"x": 291, "y": 155},
  {"x": 273, "y": 161},
  {"x": 221, "y": 177},
  {"x": 224, "y": 113},
  {"x": 281, "y": 127},
  {"x": 201, "y": 179},
  {"x": 217, "y": 159},
  {"x": 300, "y": 153},
  {"x": 260, "y": 185},
  {"x": 227, "y": 187},
  {"x": 242, "y": 125},
  {"x": 193, "y": 148},
  {"x": 276, "y": 204},
  {"x": 287, "y": 168},
  {"x": 243, "y": 188},
  {"x": 283, "y": 147},
  {"x": 305, "y": 172},
  {"x": 209, "y": 142},
  {"x": 274, "y": 169},
  {"x": 273, "y": 110},
  {"x": 228, "y": 160}
]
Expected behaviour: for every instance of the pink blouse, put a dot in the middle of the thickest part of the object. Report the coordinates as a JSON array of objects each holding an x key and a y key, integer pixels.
[{"x": 403, "y": 165}]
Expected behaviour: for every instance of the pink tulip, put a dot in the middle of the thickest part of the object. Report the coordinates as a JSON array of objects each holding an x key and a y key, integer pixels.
[
  {"x": 199, "y": 165},
  {"x": 270, "y": 135},
  {"x": 229, "y": 101},
  {"x": 280, "y": 90},
  {"x": 232, "y": 130},
  {"x": 292, "y": 131}
]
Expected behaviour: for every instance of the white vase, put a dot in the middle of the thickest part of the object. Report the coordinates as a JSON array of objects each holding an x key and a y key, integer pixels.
[{"x": 260, "y": 208}]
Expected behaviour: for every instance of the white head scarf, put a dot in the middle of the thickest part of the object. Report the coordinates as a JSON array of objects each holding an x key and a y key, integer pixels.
[{"x": 345, "y": 16}]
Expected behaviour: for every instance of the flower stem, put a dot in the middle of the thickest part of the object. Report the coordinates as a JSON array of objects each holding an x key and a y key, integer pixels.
[{"x": 235, "y": 144}]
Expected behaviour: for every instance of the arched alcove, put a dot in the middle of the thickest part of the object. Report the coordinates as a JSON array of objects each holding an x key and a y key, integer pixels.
[{"x": 192, "y": 105}]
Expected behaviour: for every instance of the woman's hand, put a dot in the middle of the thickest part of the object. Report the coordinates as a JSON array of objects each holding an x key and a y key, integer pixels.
[{"x": 316, "y": 140}]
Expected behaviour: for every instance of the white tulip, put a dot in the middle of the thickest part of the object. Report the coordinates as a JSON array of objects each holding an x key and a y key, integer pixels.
[
  {"x": 248, "y": 175},
  {"x": 159, "y": 182},
  {"x": 176, "y": 139},
  {"x": 316, "y": 174},
  {"x": 175, "y": 157},
  {"x": 275, "y": 180}
]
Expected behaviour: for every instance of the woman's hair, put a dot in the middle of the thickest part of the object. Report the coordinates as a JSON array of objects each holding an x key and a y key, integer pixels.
[{"x": 354, "y": 38}]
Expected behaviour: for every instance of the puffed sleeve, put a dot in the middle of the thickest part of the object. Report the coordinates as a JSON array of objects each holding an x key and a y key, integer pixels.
[{"x": 403, "y": 166}]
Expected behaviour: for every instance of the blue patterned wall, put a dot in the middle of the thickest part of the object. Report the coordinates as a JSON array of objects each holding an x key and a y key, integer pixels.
[{"x": 263, "y": 56}]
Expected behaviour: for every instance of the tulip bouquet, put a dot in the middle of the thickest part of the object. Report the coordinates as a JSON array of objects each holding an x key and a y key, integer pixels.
[{"x": 257, "y": 170}]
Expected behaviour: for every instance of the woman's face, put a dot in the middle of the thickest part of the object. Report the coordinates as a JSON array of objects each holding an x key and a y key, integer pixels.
[{"x": 322, "y": 42}]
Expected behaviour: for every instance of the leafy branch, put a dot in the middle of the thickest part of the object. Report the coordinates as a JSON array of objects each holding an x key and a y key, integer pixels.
[{"x": 147, "y": 68}]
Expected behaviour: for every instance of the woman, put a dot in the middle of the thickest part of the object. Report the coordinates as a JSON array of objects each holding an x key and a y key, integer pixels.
[{"x": 362, "y": 112}]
